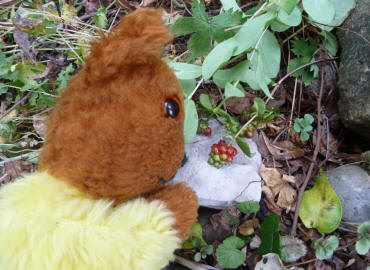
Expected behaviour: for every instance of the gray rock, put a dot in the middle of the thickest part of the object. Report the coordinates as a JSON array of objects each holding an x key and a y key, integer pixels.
[
  {"x": 217, "y": 188},
  {"x": 354, "y": 71},
  {"x": 352, "y": 185}
]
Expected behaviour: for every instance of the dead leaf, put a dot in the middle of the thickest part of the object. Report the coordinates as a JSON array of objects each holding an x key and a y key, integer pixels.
[
  {"x": 13, "y": 169},
  {"x": 237, "y": 105},
  {"x": 248, "y": 226},
  {"x": 282, "y": 150},
  {"x": 270, "y": 200},
  {"x": 223, "y": 218},
  {"x": 39, "y": 124},
  {"x": 278, "y": 184},
  {"x": 23, "y": 39}
]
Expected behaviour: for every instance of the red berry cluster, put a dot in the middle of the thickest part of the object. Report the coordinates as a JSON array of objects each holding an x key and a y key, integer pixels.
[{"x": 221, "y": 154}]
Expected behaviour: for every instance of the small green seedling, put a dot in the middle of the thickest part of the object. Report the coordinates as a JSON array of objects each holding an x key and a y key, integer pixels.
[
  {"x": 363, "y": 245},
  {"x": 303, "y": 126},
  {"x": 325, "y": 247},
  {"x": 203, "y": 253}
]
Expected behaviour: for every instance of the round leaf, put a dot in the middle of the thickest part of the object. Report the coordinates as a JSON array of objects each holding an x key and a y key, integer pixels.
[
  {"x": 292, "y": 19},
  {"x": 363, "y": 246},
  {"x": 321, "y": 11},
  {"x": 320, "y": 206}
]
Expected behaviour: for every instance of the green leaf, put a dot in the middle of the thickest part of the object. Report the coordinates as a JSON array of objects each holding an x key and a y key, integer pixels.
[
  {"x": 205, "y": 101},
  {"x": 251, "y": 31},
  {"x": 228, "y": 18},
  {"x": 259, "y": 106},
  {"x": 236, "y": 73},
  {"x": 244, "y": 146},
  {"x": 199, "y": 43},
  {"x": 325, "y": 248},
  {"x": 342, "y": 9},
  {"x": 197, "y": 256},
  {"x": 191, "y": 120},
  {"x": 364, "y": 228},
  {"x": 295, "y": 63},
  {"x": 321, "y": 11},
  {"x": 184, "y": 71},
  {"x": 187, "y": 86},
  {"x": 208, "y": 249},
  {"x": 308, "y": 119},
  {"x": 187, "y": 25},
  {"x": 287, "y": 5},
  {"x": 230, "y": 5},
  {"x": 320, "y": 206},
  {"x": 304, "y": 47},
  {"x": 270, "y": 237},
  {"x": 363, "y": 246},
  {"x": 292, "y": 19},
  {"x": 199, "y": 10},
  {"x": 100, "y": 18},
  {"x": 304, "y": 136},
  {"x": 228, "y": 253},
  {"x": 249, "y": 207},
  {"x": 233, "y": 91},
  {"x": 330, "y": 42},
  {"x": 63, "y": 77},
  {"x": 217, "y": 57},
  {"x": 276, "y": 26},
  {"x": 195, "y": 233}
]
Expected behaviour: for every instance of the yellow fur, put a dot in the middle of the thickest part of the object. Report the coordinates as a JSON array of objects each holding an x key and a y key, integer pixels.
[{"x": 47, "y": 224}]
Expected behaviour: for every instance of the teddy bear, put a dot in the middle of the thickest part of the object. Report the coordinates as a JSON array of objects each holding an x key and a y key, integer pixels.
[{"x": 102, "y": 197}]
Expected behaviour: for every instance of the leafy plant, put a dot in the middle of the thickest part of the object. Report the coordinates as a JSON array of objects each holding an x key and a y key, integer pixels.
[
  {"x": 270, "y": 236},
  {"x": 229, "y": 254},
  {"x": 303, "y": 126},
  {"x": 325, "y": 247},
  {"x": 100, "y": 17},
  {"x": 249, "y": 207},
  {"x": 320, "y": 207},
  {"x": 203, "y": 253},
  {"x": 363, "y": 245},
  {"x": 195, "y": 238}
]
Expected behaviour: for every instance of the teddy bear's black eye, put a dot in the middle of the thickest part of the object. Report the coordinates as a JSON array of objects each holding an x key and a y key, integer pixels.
[{"x": 172, "y": 107}]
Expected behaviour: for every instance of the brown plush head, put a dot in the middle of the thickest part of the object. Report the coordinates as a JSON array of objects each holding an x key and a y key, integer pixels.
[{"x": 111, "y": 134}]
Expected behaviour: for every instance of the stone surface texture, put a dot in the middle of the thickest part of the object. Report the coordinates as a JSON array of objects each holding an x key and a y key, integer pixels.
[
  {"x": 217, "y": 188},
  {"x": 352, "y": 185},
  {"x": 354, "y": 70}
]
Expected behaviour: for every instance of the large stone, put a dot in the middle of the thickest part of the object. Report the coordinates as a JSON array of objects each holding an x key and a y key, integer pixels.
[
  {"x": 217, "y": 188},
  {"x": 354, "y": 70},
  {"x": 352, "y": 185}
]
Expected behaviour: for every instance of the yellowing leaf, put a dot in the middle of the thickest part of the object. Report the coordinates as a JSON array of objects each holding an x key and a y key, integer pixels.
[
  {"x": 195, "y": 232},
  {"x": 320, "y": 206}
]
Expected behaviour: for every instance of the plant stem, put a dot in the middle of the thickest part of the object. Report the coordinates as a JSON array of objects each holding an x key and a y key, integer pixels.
[
  {"x": 196, "y": 88},
  {"x": 15, "y": 105},
  {"x": 295, "y": 33},
  {"x": 316, "y": 151}
]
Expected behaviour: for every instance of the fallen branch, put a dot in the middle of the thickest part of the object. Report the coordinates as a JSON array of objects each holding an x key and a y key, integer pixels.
[{"x": 316, "y": 151}]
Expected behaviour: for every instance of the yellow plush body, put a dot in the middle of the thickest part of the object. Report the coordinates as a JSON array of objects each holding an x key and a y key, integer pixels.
[{"x": 48, "y": 224}]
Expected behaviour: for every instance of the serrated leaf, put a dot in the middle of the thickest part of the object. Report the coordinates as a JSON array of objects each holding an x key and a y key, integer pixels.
[
  {"x": 325, "y": 248},
  {"x": 217, "y": 57},
  {"x": 228, "y": 18},
  {"x": 320, "y": 206},
  {"x": 100, "y": 18},
  {"x": 191, "y": 120},
  {"x": 304, "y": 136},
  {"x": 296, "y": 63},
  {"x": 185, "y": 71},
  {"x": 205, "y": 101},
  {"x": 330, "y": 42},
  {"x": 228, "y": 253},
  {"x": 251, "y": 31},
  {"x": 199, "y": 43},
  {"x": 321, "y": 11},
  {"x": 249, "y": 207},
  {"x": 244, "y": 146},
  {"x": 233, "y": 91},
  {"x": 199, "y": 10},
  {"x": 304, "y": 47},
  {"x": 292, "y": 19},
  {"x": 308, "y": 118},
  {"x": 270, "y": 236},
  {"x": 188, "y": 25}
]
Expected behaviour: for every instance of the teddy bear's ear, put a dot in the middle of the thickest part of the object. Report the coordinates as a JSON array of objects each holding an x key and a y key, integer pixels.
[{"x": 139, "y": 36}]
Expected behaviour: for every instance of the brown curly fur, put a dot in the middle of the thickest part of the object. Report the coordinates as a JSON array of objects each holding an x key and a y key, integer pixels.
[{"x": 108, "y": 134}]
